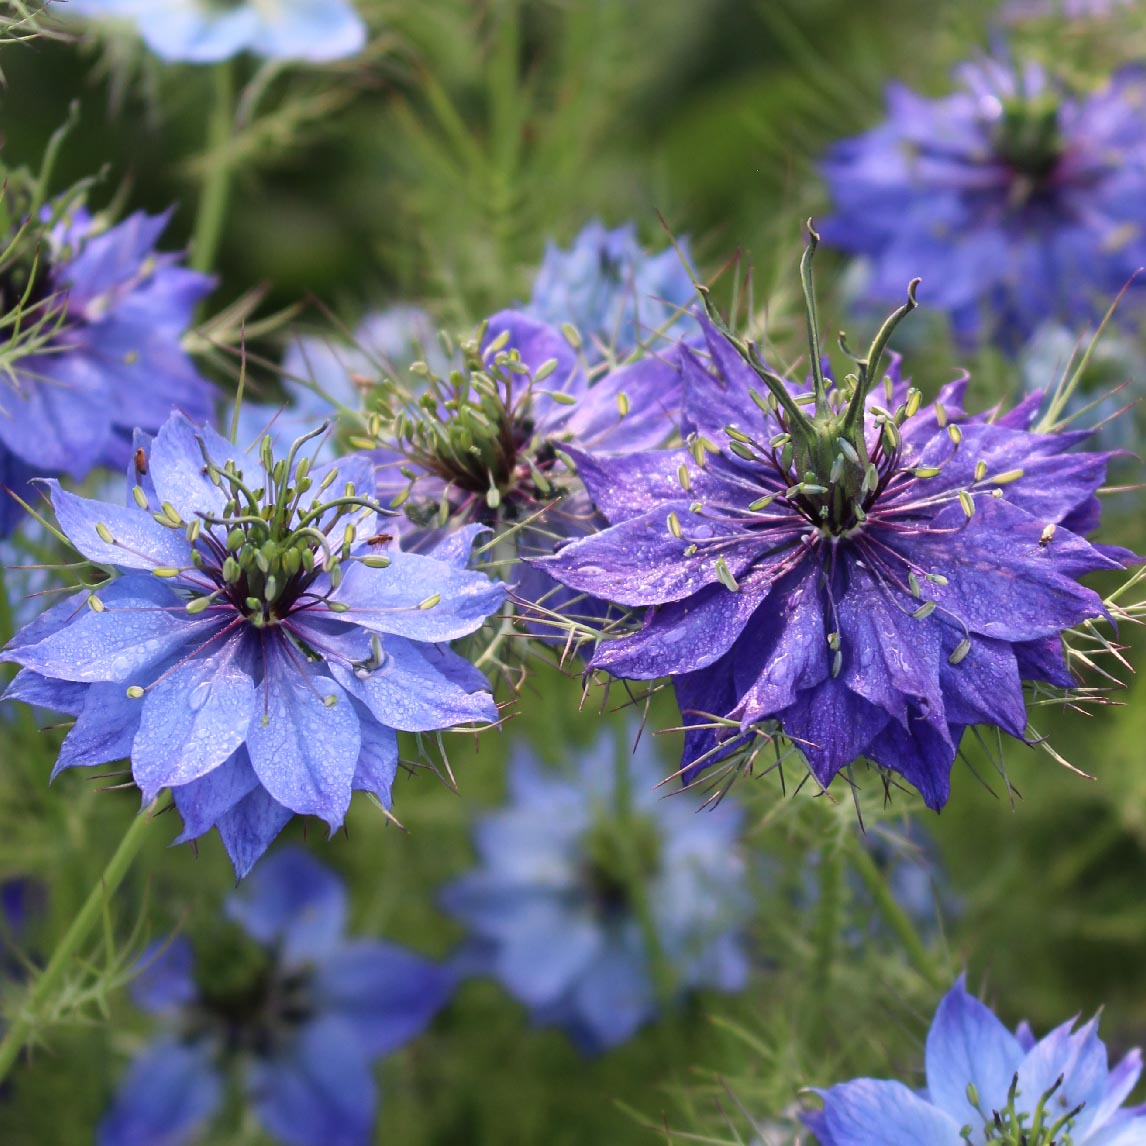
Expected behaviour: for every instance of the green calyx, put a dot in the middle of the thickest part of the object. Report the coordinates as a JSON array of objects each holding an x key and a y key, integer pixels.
[
  {"x": 831, "y": 471},
  {"x": 1049, "y": 1124},
  {"x": 1028, "y": 138},
  {"x": 619, "y": 851}
]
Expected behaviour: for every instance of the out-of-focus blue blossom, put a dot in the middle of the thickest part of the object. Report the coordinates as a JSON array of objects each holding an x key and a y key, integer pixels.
[
  {"x": 617, "y": 295},
  {"x": 487, "y": 445},
  {"x": 555, "y": 905},
  {"x": 262, "y": 639},
  {"x": 322, "y": 377},
  {"x": 988, "y": 1086},
  {"x": 285, "y": 1002},
  {"x": 90, "y": 329},
  {"x": 205, "y": 31},
  {"x": 1015, "y": 202},
  {"x": 873, "y": 577},
  {"x": 1112, "y": 381},
  {"x": 1017, "y": 11}
]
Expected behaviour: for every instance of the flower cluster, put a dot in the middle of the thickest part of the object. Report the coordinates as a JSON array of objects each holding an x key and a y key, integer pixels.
[
  {"x": 617, "y": 296},
  {"x": 262, "y": 640},
  {"x": 279, "y": 992},
  {"x": 204, "y": 31},
  {"x": 989, "y": 1087},
  {"x": 1014, "y": 201},
  {"x": 584, "y": 874},
  {"x": 870, "y": 573},
  {"x": 90, "y": 328}
]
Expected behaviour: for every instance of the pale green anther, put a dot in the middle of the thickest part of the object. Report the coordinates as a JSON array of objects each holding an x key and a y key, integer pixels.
[
  {"x": 786, "y": 456},
  {"x": 493, "y": 497},
  {"x": 891, "y": 436},
  {"x": 139, "y": 496},
  {"x": 837, "y": 470},
  {"x": 980, "y": 470},
  {"x": 737, "y": 435},
  {"x": 292, "y": 562},
  {"x": 1006, "y": 477},
  {"x": 420, "y": 369},
  {"x": 870, "y": 478},
  {"x": 925, "y": 610},
  {"x": 914, "y": 397},
  {"x": 254, "y": 604},
  {"x": 104, "y": 534},
  {"x": 837, "y": 663},
  {"x": 348, "y": 490},
  {"x": 213, "y": 475},
  {"x": 926, "y": 471},
  {"x": 940, "y": 414},
  {"x": 762, "y": 503},
  {"x": 996, "y": 493},
  {"x": 348, "y": 534},
  {"x": 973, "y": 1095},
  {"x": 961, "y": 651},
  {"x": 135, "y": 691},
  {"x": 778, "y": 440},
  {"x": 95, "y": 604},
  {"x": 198, "y": 605},
  {"x": 742, "y": 451},
  {"x": 695, "y": 506},
  {"x": 623, "y": 404},
  {"x": 338, "y": 606},
  {"x": 859, "y": 511},
  {"x": 193, "y": 530},
  {"x": 967, "y": 502},
  {"x": 954, "y": 433},
  {"x": 683, "y": 477},
  {"x": 231, "y": 571},
  {"x": 498, "y": 343},
  {"x": 430, "y": 601},
  {"x": 690, "y": 551},
  {"x": 165, "y": 571},
  {"x": 301, "y": 470},
  {"x": 937, "y": 578},
  {"x": 674, "y": 525},
  {"x": 848, "y": 450},
  {"x": 262, "y": 561},
  {"x": 811, "y": 488},
  {"x": 308, "y": 560},
  {"x": 400, "y": 498},
  {"x": 545, "y": 369},
  {"x": 335, "y": 573},
  {"x": 766, "y": 403},
  {"x": 376, "y": 561},
  {"x": 833, "y": 641},
  {"x": 271, "y": 588},
  {"x": 697, "y": 452},
  {"x": 725, "y": 576},
  {"x": 566, "y": 460},
  {"x": 329, "y": 478},
  {"x": 572, "y": 335},
  {"x": 330, "y": 701},
  {"x": 563, "y": 399},
  {"x": 913, "y": 585}
]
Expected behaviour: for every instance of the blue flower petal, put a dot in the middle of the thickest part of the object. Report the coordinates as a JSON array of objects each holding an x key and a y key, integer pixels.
[
  {"x": 250, "y": 827},
  {"x": 170, "y": 1092},
  {"x": 165, "y": 979},
  {"x": 868, "y": 1112}
]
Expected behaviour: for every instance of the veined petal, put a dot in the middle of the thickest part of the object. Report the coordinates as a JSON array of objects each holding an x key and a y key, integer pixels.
[{"x": 871, "y": 1112}]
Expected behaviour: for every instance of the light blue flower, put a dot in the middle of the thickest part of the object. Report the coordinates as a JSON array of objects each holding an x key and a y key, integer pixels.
[
  {"x": 205, "y": 31},
  {"x": 554, "y": 905},
  {"x": 302, "y": 1011},
  {"x": 614, "y": 292},
  {"x": 989, "y": 1087},
  {"x": 261, "y": 640}
]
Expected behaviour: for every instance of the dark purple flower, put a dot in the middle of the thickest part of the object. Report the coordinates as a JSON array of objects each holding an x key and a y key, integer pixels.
[
  {"x": 871, "y": 574},
  {"x": 302, "y": 1011},
  {"x": 485, "y": 445},
  {"x": 90, "y": 329},
  {"x": 1014, "y": 201}
]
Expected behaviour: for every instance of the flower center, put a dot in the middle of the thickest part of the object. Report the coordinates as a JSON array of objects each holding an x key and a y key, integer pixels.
[
  {"x": 246, "y": 998},
  {"x": 275, "y": 536},
  {"x": 1049, "y": 1124},
  {"x": 619, "y": 854},
  {"x": 1028, "y": 140}
]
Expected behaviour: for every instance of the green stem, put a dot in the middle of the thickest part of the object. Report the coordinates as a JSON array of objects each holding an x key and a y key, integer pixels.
[
  {"x": 74, "y": 938},
  {"x": 217, "y": 181},
  {"x": 829, "y": 918},
  {"x": 894, "y": 916}
]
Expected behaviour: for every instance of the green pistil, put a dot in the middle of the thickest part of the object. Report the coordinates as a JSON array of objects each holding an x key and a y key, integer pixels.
[
  {"x": 1028, "y": 138},
  {"x": 1012, "y": 1127},
  {"x": 617, "y": 852},
  {"x": 475, "y": 430},
  {"x": 267, "y": 550},
  {"x": 822, "y": 453}
]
